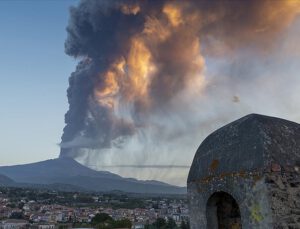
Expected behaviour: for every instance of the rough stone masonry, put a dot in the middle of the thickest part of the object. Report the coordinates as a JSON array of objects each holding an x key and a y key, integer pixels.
[{"x": 247, "y": 175}]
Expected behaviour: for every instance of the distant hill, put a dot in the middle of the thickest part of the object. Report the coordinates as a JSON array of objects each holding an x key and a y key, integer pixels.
[
  {"x": 4, "y": 180},
  {"x": 71, "y": 174}
]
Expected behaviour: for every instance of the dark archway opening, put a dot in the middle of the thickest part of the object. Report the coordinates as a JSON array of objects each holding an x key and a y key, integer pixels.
[{"x": 222, "y": 212}]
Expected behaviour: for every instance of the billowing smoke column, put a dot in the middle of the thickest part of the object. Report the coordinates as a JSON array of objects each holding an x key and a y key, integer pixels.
[
  {"x": 137, "y": 56},
  {"x": 143, "y": 63}
]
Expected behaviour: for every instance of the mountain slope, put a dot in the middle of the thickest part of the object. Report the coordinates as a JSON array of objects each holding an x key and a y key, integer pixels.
[
  {"x": 4, "y": 180},
  {"x": 69, "y": 171}
]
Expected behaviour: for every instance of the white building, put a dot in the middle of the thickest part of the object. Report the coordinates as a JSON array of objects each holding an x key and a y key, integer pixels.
[{"x": 13, "y": 224}]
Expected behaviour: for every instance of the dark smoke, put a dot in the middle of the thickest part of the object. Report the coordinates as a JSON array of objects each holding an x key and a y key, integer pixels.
[
  {"x": 102, "y": 33},
  {"x": 97, "y": 32}
]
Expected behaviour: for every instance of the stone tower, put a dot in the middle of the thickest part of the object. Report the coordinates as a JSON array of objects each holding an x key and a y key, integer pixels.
[{"x": 246, "y": 175}]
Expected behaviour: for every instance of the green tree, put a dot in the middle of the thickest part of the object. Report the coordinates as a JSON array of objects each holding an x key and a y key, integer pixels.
[
  {"x": 188, "y": 225},
  {"x": 20, "y": 205},
  {"x": 101, "y": 218},
  {"x": 159, "y": 223},
  {"x": 171, "y": 224},
  {"x": 123, "y": 223},
  {"x": 11, "y": 205},
  {"x": 105, "y": 226},
  {"x": 184, "y": 225},
  {"x": 17, "y": 215}
]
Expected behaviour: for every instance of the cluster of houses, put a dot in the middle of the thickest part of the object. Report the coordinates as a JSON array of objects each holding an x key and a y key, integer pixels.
[{"x": 48, "y": 216}]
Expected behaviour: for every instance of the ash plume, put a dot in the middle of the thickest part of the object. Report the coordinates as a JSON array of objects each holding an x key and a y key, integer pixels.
[{"x": 155, "y": 77}]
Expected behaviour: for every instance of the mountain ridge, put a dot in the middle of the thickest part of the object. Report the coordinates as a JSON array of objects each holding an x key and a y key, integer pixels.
[{"x": 67, "y": 171}]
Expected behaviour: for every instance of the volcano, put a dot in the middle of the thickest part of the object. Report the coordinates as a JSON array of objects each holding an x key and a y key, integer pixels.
[{"x": 67, "y": 171}]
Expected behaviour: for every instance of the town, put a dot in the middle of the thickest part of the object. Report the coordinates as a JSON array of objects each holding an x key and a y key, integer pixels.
[{"x": 35, "y": 208}]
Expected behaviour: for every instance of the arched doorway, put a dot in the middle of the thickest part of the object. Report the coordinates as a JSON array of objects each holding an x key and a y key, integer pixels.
[{"x": 222, "y": 212}]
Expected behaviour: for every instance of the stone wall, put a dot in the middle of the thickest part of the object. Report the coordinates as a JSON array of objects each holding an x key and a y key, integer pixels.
[
  {"x": 284, "y": 197},
  {"x": 249, "y": 191}
]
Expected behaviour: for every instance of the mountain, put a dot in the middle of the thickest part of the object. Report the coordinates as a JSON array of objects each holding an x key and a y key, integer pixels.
[
  {"x": 68, "y": 172},
  {"x": 4, "y": 180}
]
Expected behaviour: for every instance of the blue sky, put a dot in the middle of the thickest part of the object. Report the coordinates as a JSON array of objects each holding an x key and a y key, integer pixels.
[{"x": 34, "y": 73}]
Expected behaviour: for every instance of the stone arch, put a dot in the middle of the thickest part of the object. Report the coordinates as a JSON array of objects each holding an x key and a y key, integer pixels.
[{"x": 223, "y": 212}]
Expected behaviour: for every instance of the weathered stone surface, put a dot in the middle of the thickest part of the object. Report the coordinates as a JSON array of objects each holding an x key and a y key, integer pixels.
[
  {"x": 284, "y": 198},
  {"x": 256, "y": 160}
]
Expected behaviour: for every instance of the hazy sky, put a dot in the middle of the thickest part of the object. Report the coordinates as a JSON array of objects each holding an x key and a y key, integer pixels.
[{"x": 34, "y": 73}]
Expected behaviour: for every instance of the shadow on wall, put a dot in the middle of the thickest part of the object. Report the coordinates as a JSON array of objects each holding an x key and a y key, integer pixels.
[{"x": 223, "y": 212}]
